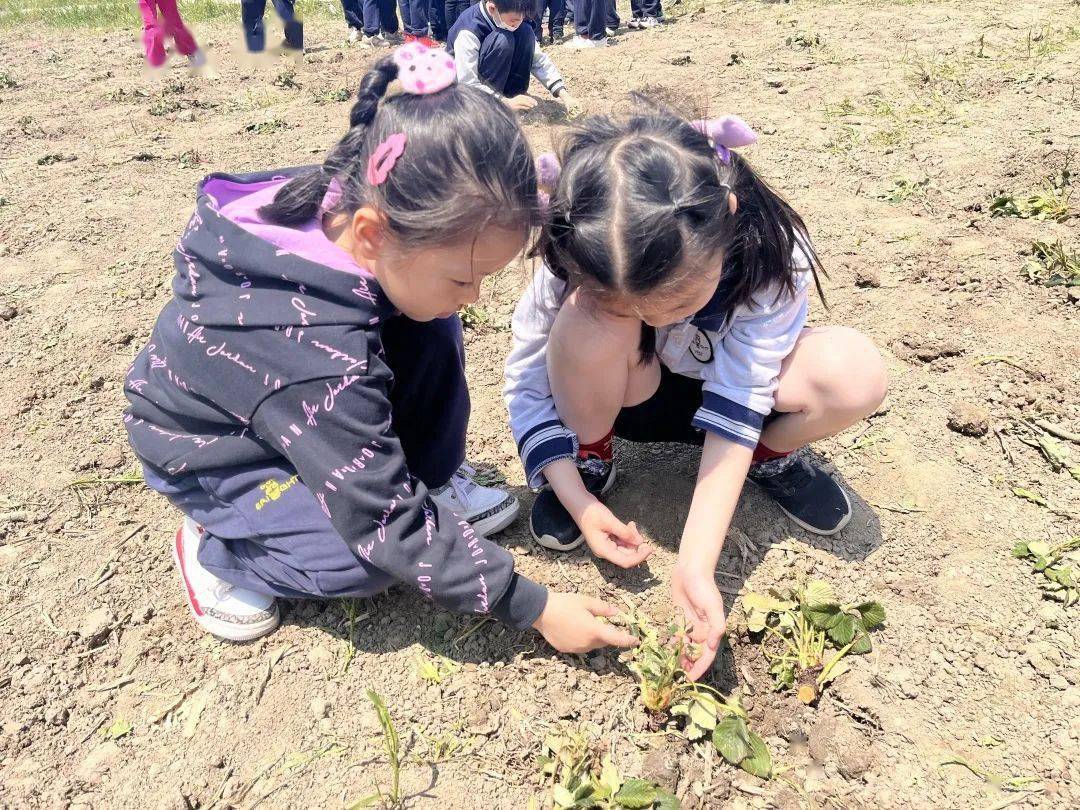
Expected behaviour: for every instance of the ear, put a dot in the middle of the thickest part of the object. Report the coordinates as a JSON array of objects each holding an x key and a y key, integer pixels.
[
  {"x": 369, "y": 235},
  {"x": 732, "y": 202}
]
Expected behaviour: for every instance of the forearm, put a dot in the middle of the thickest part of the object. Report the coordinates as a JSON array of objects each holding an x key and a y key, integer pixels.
[
  {"x": 720, "y": 480},
  {"x": 566, "y": 481}
]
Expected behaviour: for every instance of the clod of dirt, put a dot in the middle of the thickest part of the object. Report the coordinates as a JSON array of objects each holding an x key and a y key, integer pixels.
[
  {"x": 680, "y": 59},
  {"x": 320, "y": 707},
  {"x": 1052, "y": 616},
  {"x": 1073, "y": 294},
  {"x": 924, "y": 349},
  {"x": 1044, "y": 658},
  {"x": 98, "y": 762},
  {"x": 95, "y": 627},
  {"x": 56, "y": 715},
  {"x": 111, "y": 458},
  {"x": 968, "y": 419},
  {"x": 661, "y": 765},
  {"x": 7, "y": 312},
  {"x": 867, "y": 277}
]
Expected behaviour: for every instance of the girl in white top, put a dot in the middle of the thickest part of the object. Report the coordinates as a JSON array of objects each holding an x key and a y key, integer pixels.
[{"x": 671, "y": 307}]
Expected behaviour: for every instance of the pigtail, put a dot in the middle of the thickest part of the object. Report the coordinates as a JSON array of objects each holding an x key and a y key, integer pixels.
[
  {"x": 299, "y": 200},
  {"x": 766, "y": 235}
]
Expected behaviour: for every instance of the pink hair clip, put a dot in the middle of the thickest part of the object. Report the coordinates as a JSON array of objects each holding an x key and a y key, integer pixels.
[
  {"x": 332, "y": 196},
  {"x": 423, "y": 70},
  {"x": 547, "y": 169},
  {"x": 384, "y": 157},
  {"x": 726, "y": 133}
]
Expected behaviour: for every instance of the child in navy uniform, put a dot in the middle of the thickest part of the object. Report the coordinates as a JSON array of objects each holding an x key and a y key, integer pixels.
[
  {"x": 495, "y": 49},
  {"x": 672, "y": 308},
  {"x": 302, "y": 398}
]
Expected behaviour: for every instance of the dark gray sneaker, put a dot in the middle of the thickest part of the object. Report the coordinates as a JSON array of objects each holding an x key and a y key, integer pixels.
[
  {"x": 805, "y": 492},
  {"x": 550, "y": 523}
]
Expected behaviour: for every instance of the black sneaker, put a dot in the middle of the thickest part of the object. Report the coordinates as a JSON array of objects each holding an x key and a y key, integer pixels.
[
  {"x": 805, "y": 492},
  {"x": 550, "y": 523}
]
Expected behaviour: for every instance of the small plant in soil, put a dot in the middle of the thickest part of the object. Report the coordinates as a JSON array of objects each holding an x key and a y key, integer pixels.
[
  {"x": 569, "y": 763},
  {"x": 331, "y": 96},
  {"x": 705, "y": 713},
  {"x": 435, "y": 669},
  {"x": 1051, "y": 202},
  {"x": 1052, "y": 265},
  {"x": 393, "y": 752},
  {"x": 1059, "y": 563},
  {"x": 806, "y": 634},
  {"x": 7, "y": 81},
  {"x": 267, "y": 127},
  {"x": 287, "y": 80},
  {"x": 164, "y": 106}
]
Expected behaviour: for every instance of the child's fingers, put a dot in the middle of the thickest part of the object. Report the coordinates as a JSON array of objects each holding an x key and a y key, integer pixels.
[
  {"x": 627, "y": 557},
  {"x": 701, "y": 666},
  {"x": 615, "y": 637},
  {"x": 598, "y": 607},
  {"x": 623, "y": 534}
]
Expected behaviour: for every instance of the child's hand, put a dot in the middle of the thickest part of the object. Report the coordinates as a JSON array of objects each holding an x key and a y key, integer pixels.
[
  {"x": 693, "y": 589},
  {"x": 522, "y": 103},
  {"x": 573, "y": 106},
  {"x": 570, "y": 624},
  {"x": 610, "y": 539}
]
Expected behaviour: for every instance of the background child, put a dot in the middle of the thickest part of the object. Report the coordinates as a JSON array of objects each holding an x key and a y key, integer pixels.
[
  {"x": 302, "y": 399},
  {"x": 414, "y": 19},
  {"x": 672, "y": 309},
  {"x": 161, "y": 21},
  {"x": 251, "y": 13},
  {"x": 645, "y": 14},
  {"x": 495, "y": 49},
  {"x": 370, "y": 20}
]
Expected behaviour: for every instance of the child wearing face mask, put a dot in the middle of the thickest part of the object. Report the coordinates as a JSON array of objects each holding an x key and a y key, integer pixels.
[
  {"x": 496, "y": 50},
  {"x": 302, "y": 399}
]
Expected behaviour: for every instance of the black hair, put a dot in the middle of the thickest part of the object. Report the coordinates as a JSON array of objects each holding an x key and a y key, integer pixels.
[
  {"x": 640, "y": 202},
  {"x": 466, "y": 165},
  {"x": 526, "y": 7}
]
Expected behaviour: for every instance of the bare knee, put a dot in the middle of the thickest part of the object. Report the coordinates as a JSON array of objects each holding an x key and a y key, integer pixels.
[{"x": 850, "y": 376}]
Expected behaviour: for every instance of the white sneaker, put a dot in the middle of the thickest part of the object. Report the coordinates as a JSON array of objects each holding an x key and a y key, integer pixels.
[
  {"x": 488, "y": 509},
  {"x": 609, "y": 31},
  {"x": 226, "y": 611},
  {"x": 649, "y": 22},
  {"x": 634, "y": 24},
  {"x": 580, "y": 43},
  {"x": 376, "y": 41},
  {"x": 354, "y": 35},
  {"x": 197, "y": 59}
]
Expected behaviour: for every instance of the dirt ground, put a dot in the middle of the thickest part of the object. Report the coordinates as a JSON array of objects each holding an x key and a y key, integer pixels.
[{"x": 890, "y": 126}]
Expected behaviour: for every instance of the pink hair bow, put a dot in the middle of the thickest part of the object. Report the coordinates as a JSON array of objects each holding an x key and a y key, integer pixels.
[
  {"x": 423, "y": 70},
  {"x": 726, "y": 133}
]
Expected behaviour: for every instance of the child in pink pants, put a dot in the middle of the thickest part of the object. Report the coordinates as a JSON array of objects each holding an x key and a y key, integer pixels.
[{"x": 161, "y": 19}]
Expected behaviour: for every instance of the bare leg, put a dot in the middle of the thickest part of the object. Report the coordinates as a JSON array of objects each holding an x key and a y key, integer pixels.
[
  {"x": 593, "y": 367},
  {"x": 833, "y": 378}
]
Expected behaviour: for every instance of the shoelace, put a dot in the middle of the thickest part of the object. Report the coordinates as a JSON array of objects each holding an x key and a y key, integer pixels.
[{"x": 462, "y": 483}]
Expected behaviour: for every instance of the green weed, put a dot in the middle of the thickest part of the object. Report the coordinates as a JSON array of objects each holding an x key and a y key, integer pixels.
[
  {"x": 1059, "y": 563},
  {"x": 1050, "y": 202},
  {"x": 903, "y": 189},
  {"x": 393, "y": 753},
  {"x": 267, "y": 127},
  {"x": 1052, "y": 265}
]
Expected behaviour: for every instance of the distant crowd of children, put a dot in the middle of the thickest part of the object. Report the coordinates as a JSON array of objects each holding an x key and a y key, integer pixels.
[{"x": 376, "y": 23}]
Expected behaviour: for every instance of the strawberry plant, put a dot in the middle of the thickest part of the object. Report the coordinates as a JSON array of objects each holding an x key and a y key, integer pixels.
[
  {"x": 1058, "y": 563},
  {"x": 568, "y": 761},
  {"x": 704, "y": 712},
  {"x": 799, "y": 626}
]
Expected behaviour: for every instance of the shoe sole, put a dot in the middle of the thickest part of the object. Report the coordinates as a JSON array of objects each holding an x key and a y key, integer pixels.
[
  {"x": 216, "y": 627},
  {"x": 498, "y": 521},
  {"x": 552, "y": 543},
  {"x": 817, "y": 531}
]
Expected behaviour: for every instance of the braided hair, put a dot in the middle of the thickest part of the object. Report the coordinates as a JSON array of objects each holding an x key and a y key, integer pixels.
[{"x": 466, "y": 166}]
